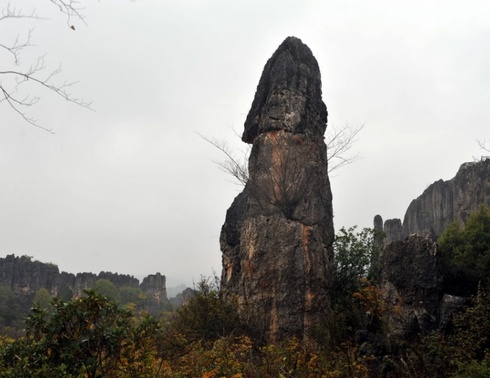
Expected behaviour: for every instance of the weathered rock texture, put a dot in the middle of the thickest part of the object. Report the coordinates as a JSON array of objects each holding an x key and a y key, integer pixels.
[
  {"x": 411, "y": 286},
  {"x": 444, "y": 202},
  {"x": 411, "y": 283},
  {"x": 154, "y": 286},
  {"x": 277, "y": 236}
]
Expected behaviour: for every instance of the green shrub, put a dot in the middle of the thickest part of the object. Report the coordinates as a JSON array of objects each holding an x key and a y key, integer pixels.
[
  {"x": 354, "y": 256},
  {"x": 91, "y": 336},
  {"x": 465, "y": 250},
  {"x": 207, "y": 315}
]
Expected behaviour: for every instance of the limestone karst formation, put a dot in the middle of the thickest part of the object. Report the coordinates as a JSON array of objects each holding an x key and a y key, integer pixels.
[
  {"x": 421, "y": 295},
  {"x": 25, "y": 276},
  {"x": 444, "y": 202},
  {"x": 277, "y": 237}
]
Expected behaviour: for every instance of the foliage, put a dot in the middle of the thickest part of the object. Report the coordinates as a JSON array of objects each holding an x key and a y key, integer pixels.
[
  {"x": 466, "y": 249},
  {"x": 65, "y": 293},
  {"x": 11, "y": 312},
  {"x": 131, "y": 295},
  {"x": 462, "y": 352},
  {"x": 473, "y": 369},
  {"x": 93, "y": 336},
  {"x": 15, "y": 306},
  {"x": 237, "y": 357},
  {"x": 354, "y": 255},
  {"x": 89, "y": 336},
  {"x": 107, "y": 288},
  {"x": 42, "y": 299},
  {"x": 206, "y": 315},
  {"x": 472, "y": 328},
  {"x": 225, "y": 357},
  {"x": 9, "y": 308}
]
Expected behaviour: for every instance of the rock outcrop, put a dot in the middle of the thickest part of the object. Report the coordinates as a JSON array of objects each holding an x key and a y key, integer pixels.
[
  {"x": 277, "y": 237},
  {"x": 444, "y": 202},
  {"x": 154, "y": 286},
  {"x": 411, "y": 296},
  {"x": 420, "y": 296},
  {"x": 25, "y": 276},
  {"x": 411, "y": 284}
]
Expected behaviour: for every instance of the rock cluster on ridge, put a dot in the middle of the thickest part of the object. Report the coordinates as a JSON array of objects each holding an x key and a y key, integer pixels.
[
  {"x": 422, "y": 297},
  {"x": 24, "y": 276},
  {"x": 277, "y": 237},
  {"x": 444, "y": 202}
]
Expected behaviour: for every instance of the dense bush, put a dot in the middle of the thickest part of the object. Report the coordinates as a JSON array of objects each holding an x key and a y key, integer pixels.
[
  {"x": 466, "y": 252},
  {"x": 206, "y": 316},
  {"x": 90, "y": 336}
]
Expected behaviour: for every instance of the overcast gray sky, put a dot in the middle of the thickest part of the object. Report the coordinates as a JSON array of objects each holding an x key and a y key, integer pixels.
[{"x": 131, "y": 187}]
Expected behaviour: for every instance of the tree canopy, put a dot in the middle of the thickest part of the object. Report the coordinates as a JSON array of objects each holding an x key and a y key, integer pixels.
[{"x": 466, "y": 249}]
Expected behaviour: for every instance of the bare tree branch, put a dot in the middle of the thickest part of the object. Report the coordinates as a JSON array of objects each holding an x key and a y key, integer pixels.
[
  {"x": 70, "y": 8},
  {"x": 10, "y": 12},
  {"x": 16, "y": 80},
  {"x": 236, "y": 167},
  {"x": 339, "y": 142},
  {"x": 483, "y": 145}
]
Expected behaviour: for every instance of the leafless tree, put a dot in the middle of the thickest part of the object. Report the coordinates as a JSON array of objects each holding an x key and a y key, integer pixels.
[
  {"x": 339, "y": 141},
  {"x": 235, "y": 163},
  {"x": 21, "y": 83},
  {"x": 483, "y": 145}
]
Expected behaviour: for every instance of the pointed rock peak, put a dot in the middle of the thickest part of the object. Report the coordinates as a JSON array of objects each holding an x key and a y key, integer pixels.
[
  {"x": 277, "y": 236},
  {"x": 289, "y": 94}
]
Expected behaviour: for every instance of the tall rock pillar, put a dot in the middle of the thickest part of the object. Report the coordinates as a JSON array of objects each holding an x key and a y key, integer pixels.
[{"x": 278, "y": 233}]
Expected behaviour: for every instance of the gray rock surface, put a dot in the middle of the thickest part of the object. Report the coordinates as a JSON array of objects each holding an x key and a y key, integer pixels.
[
  {"x": 277, "y": 237},
  {"x": 154, "y": 286},
  {"x": 411, "y": 285},
  {"x": 393, "y": 230},
  {"x": 444, "y": 202}
]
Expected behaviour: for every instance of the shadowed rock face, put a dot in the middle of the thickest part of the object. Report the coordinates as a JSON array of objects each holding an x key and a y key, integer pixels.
[
  {"x": 277, "y": 236},
  {"x": 411, "y": 281},
  {"x": 444, "y": 202},
  {"x": 448, "y": 201}
]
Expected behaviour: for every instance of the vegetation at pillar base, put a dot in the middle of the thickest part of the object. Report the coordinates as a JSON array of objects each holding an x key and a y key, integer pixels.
[
  {"x": 93, "y": 336},
  {"x": 207, "y": 316},
  {"x": 355, "y": 257},
  {"x": 96, "y": 336}
]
